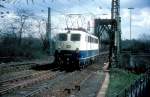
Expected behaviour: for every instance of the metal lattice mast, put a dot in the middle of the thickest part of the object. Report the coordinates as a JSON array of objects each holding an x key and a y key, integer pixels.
[{"x": 115, "y": 14}]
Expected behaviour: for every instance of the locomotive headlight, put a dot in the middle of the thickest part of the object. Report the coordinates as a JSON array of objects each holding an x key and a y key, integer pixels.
[{"x": 77, "y": 50}]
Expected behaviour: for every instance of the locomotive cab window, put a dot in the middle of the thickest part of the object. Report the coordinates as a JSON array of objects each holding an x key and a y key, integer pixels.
[
  {"x": 75, "y": 37},
  {"x": 62, "y": 37}
]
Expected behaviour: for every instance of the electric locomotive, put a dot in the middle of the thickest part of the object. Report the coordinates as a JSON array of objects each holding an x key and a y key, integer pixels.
[{"x": 76, "y": 48}]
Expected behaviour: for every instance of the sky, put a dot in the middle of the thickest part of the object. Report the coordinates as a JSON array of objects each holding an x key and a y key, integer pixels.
[{"x": 88, "y": 10}]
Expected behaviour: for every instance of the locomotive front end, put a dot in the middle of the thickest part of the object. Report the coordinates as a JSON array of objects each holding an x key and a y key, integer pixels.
[{"x": 67, "y": 49}]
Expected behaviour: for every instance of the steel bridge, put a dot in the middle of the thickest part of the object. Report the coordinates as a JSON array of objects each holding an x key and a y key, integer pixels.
[{"x": 113, "y": 28}]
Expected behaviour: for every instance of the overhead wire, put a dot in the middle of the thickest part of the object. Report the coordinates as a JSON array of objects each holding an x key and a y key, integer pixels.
[{"x": 89, "y": 13}]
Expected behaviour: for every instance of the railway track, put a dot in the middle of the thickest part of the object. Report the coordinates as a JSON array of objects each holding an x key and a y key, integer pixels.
[
  {"x": 68, "y": 84},
  {"x": 14, "y": 75},
  {"x": 21, "y": 77},
  {"x": 24, "y": 80},
  {"x": 19, "y": 66},
  {"x": 38, "y": 87},
  {"x": 61, "y": 86},
  {"x": 61, "y": 83},
  {"x": 15, "y": 67},
  {"x": 50, "y": 83}
]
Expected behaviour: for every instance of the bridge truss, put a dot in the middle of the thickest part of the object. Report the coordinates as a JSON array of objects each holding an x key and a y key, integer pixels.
[{"x": 113, "y": 28}]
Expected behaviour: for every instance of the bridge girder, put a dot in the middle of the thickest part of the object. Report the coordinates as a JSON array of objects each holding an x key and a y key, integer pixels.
[
  {"x": 113, "y": 28},
  {"x": 106, "y": 26}
]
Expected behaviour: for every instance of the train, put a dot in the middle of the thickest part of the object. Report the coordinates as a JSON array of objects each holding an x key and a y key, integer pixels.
[{"x": 76, "y": 48}]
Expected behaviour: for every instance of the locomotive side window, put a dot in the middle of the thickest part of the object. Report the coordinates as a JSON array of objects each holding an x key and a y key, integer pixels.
[
  {"x": 92, "y": 39},
  {"x": 75, "y": 37},
  {"x": 62, "y": 37}
]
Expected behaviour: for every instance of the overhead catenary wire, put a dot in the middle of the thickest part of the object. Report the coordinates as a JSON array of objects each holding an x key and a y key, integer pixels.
[
  {"x": 58, "y": 11},
  {"x": 64, "y": 13}
]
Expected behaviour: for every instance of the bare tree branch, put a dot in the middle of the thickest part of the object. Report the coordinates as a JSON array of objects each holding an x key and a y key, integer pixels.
[{"x": 23, "y": 15}]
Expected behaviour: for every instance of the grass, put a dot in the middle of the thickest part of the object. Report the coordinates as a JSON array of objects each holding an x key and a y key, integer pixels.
[{"x": 119, "y": 80}]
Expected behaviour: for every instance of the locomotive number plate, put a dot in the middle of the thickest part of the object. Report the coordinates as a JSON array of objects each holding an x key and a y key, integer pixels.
[{"x": 68, "y": 46}]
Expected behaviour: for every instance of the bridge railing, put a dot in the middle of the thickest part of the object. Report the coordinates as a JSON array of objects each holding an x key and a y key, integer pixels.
[{"x": 138, "y": 88}]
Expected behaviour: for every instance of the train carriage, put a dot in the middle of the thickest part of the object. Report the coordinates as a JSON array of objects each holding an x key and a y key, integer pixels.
[{"x": 76, "y": 48}]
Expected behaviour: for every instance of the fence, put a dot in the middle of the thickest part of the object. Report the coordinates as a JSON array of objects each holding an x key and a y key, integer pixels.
[{"x": 139, "y": 88}]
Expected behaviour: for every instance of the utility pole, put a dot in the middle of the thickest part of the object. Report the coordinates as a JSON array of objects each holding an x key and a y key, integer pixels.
[
  {"x": 131, "y": 59},
  {"x": 130, "y": 19},
  {"x": 48, "y": 34}
]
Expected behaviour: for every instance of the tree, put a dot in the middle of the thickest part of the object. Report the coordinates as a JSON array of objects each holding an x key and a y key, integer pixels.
[
  {"x": 42, "y": 28},
  {"x": 145, "y": 38},
  {"x": 23, "y": 15}
]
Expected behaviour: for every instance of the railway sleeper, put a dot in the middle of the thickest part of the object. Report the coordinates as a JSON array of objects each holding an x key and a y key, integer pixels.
[
  {"x": 24, "y": 84},
  {"x": 21, "y": 78}
]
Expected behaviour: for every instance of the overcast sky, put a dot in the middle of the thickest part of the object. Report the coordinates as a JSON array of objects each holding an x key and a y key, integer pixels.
[{"x": 91, "y": 9}]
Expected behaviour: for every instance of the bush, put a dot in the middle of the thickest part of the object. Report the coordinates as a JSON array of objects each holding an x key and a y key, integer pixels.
[
  {"x": 29, "y": 48},
  {"x": 136, "y": 45}
]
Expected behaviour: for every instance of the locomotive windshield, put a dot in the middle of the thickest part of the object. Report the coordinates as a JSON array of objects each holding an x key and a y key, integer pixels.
[
  {"x": 75, "y": 37},
  {"x": 62, "y": 37}
]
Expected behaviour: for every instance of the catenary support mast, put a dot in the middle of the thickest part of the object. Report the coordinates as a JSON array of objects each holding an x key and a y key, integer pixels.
[{"x": 115, "y": 14}]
